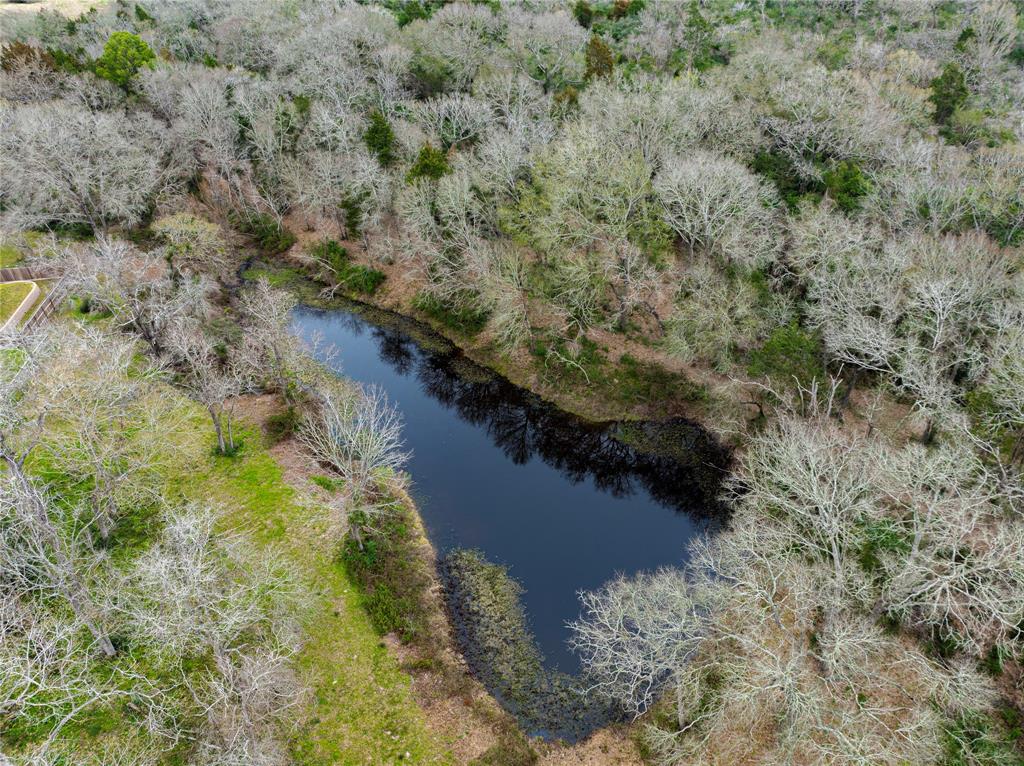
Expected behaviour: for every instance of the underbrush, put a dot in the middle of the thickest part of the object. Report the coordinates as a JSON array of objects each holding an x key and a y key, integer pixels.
[
  {"x": 628, "y": 382},
  {"x": 272, "y": 237},
  {"x": 393, "y": 580},
  {"x": 336, "y": 266},
  {"x": 459, "y": 315}
]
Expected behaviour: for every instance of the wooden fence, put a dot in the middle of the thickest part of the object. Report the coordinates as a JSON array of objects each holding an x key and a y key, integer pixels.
[
  {"x": 51, "y": 302},
  {"x": 50, "y": 305},
  {"x": 22, "y": 273}
]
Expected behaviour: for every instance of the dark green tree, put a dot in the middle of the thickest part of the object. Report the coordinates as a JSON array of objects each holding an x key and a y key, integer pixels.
[
  {"x": 123, "y": 56},
  {"x": 846, "y": 184},
  {"x": 430, "y": 163},
  {"x": 949, "y": 92},
  {"x": 599, "y": 58},
  {"x": 583, "y": 12},
  {"x": 380, "y": 138}
]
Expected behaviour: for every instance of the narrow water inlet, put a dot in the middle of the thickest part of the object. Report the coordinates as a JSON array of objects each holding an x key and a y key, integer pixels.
[{"x": 562, "y": 504}]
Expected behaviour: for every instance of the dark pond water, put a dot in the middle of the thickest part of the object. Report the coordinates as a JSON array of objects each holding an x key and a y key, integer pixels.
[{"x": 564, "y": 505}]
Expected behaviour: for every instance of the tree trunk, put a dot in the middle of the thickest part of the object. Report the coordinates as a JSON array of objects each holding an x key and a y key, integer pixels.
[
  {"x": 851, "y": 384},
  {"x": 215, "y": 417}
]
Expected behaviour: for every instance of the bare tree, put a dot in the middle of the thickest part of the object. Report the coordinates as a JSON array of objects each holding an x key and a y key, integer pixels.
[
  {"x": 192, "y": 243},
  {"x": 214, "y": 376},
  {"x": 268, "y": 314},
  {"x": 962, "y": 569},
  {"x": 64, "y": 164},
  {"x": 1003, "y": 385},
  {"x": 104, "y": 417},
  {"x": 136, "y": 288},
  {"x": 993, "y": 32},
  {"x": 43, "y": 546},
  {"x": 454, "y": 119},
  {"x": 201, "y": 592},
  {"x": 45, "y": 552},
  {"x": 200, "y": 589},
  {"x": 716, "y": 204},
  {"x": 456, "y": 40},
  {"x": 358, "y": 434},
  {"x": 245, "y": 700},
  {"x": 548, "y": 47}
]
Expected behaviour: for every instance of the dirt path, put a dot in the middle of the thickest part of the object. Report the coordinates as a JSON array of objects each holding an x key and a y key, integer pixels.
[{"x": 66, "y": 7}]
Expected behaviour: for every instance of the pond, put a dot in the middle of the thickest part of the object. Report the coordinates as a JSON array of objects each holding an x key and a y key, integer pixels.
[{"x": 563, "y": 504}]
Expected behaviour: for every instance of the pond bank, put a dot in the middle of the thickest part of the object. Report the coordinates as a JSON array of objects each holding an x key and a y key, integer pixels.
[
  {"x": 617, "y": 380},
  {"x": 650, "y": 453},
  {"x": 457, "y": 709},
  {"x": 559, "y": 504}
]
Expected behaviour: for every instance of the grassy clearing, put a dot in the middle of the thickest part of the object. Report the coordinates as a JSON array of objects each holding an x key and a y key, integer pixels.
[
  {"x": 361, "y": 707},
  {"x": 9, "y": 256},
  {"x": 11, "y": 296}
]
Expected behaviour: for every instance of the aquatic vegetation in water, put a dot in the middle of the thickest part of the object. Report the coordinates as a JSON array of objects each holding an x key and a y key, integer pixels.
[{"x": 494, "y": 635}]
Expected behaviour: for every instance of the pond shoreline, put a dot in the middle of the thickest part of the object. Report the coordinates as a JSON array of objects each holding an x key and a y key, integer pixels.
[
  {"x": 638, "y": 491},
  {"x": 578, "y": 397},
  {"x": 434, "y": 336}
]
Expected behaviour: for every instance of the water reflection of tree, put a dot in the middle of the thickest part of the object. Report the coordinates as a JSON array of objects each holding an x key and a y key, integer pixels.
[{"x": 679, "y": 464}]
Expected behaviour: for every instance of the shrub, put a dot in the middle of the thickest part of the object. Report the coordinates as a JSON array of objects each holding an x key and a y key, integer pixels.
[
  {"x": 779, "y": 169},
  {"x": 281, "y": 425},
  {"x": 966, "y": 126},
  {"x": 330, "y": 254},
  {"x": 16, "y": 54},
  {"x": 846, "y": 184},
  {"x": 272, "y": 236},
  {"x": 788, "y": 354},
  {"x": 949, "y": 92},
  {"x": 350, "y": 276},
  {"x": 392, "y": 579},
  {"x": 460, "y": 314},
  {"x": 430, "y": 163},
  {"x": 123, "y": 56},
  {"x": 380, "y": 138}
]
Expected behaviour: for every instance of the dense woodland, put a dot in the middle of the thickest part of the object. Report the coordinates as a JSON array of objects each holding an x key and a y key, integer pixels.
[{"x": 815, "y": 210}]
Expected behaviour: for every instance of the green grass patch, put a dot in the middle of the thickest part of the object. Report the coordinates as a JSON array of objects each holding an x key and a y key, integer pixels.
[
  {"x": 11, "y": 296},
  {"x": 329, "y": 483},
  {"x": 361, "y": 707},
  {"x": 277, "y": 277},
  {"x": 9, "y": 256}
]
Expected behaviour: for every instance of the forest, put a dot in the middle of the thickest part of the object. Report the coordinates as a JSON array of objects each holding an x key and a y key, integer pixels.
[{"x": 798, "y": 224}]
